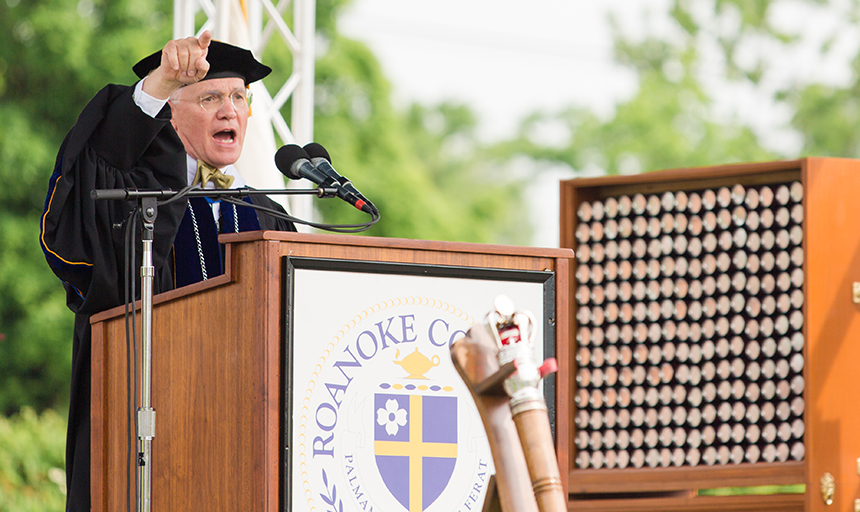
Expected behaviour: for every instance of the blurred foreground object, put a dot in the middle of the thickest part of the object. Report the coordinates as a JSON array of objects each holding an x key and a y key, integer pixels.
[{"x": 497, "y": 363}]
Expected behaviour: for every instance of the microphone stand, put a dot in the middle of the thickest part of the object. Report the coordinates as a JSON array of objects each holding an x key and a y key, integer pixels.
[
  {"x": 145, "y": 413},
  {"x": 149, "y": 210}
]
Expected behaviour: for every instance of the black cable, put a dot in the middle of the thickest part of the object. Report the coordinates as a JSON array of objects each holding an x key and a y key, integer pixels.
[
  {"x": 131, "y": 350},
  {"x": 335, "y": 228},
  {"x": 136, "y": 380},
  {"x": 180, "y": 195},
  {"x": 129, "y": 453}
]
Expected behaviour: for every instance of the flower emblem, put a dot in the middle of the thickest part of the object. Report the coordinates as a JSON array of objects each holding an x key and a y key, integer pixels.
[{"x": 392, "y": 416}]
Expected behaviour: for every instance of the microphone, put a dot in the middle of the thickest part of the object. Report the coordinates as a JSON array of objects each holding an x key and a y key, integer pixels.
[
  {"x": 294, "y": 163},
  {"x": 322, "y": 161}
]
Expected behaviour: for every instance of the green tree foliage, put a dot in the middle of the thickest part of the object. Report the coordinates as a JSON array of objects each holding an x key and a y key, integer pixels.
[
  {"x": 719, "y": 81},
  {"x": 34, "y": 323},
  {"x": 828, "y": 116},
  {"x": 423, "y": 170},
  {"x": 54, "y": 55},
  {"x": 776, "y": 52},
  {"x": 31, "y": 462}
]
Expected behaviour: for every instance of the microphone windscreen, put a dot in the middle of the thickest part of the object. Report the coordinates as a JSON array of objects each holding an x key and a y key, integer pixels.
[
  {"x": 315, "y": 150},
  {"x": 286, "y": 159}
]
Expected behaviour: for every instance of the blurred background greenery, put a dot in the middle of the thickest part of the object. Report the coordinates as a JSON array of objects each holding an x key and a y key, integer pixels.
[{"x": 55, "y": 54}]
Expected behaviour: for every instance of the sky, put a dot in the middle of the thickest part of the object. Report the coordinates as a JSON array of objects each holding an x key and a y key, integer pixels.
[{"x": 505, "y": 59}]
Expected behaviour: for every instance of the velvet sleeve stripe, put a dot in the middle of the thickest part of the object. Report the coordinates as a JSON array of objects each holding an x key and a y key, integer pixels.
[{"x": 50, "y": 253}]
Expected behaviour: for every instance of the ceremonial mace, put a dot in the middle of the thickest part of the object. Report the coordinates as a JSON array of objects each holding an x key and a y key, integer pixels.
[{"x": 497, "y": 362}]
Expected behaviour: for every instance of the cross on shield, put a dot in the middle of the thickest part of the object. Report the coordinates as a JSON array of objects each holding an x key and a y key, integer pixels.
[{"x": 415, "y": 446}]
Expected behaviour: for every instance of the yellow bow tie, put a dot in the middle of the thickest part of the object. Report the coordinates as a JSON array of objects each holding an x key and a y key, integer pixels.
[{"x": 207, "y": 173}]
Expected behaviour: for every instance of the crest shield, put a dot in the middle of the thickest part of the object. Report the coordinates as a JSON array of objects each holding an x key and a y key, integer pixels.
[{"x": 415, "y": 444}]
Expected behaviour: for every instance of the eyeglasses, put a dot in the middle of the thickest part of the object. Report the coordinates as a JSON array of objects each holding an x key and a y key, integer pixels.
[{"x": 213, "y": 101}]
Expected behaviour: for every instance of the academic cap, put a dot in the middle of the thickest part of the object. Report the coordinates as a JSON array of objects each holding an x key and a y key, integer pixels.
[{"x": 225, "y": 61}]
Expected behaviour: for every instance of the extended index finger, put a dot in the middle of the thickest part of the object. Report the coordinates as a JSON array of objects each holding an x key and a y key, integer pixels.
[
  {"x": 204, "y": 40},
  {"x": 202, "y": 62}
]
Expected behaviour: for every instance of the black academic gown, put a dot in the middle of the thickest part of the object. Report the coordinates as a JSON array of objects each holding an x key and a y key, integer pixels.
[{"x": 113, "y": 145}]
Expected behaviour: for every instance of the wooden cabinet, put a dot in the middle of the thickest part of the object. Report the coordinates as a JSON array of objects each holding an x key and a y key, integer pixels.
[{"x": 716, "y": 337}]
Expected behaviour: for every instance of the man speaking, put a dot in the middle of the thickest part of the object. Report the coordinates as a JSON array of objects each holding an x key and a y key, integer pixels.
[{"x": 182, "y": 124}]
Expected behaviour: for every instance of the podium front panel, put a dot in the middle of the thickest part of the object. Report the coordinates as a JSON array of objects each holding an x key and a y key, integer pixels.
[{"x": 379, "y": 418}]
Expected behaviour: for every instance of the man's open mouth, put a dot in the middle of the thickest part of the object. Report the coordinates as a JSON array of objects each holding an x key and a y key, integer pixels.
[{"x": 225, "y": 136}]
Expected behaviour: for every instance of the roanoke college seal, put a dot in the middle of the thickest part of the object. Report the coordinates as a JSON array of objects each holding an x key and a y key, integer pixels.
[{"x": 382, "y": 421}]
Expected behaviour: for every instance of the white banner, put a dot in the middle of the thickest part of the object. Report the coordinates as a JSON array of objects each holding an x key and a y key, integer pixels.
[{"x": 381, "y": 421}]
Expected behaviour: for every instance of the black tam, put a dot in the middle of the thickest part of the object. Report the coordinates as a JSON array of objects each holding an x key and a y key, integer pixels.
[{"x": 225, "y": 61}]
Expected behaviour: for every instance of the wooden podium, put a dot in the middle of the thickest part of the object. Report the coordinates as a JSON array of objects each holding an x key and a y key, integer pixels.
[{"x": 217, "y": 371}]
